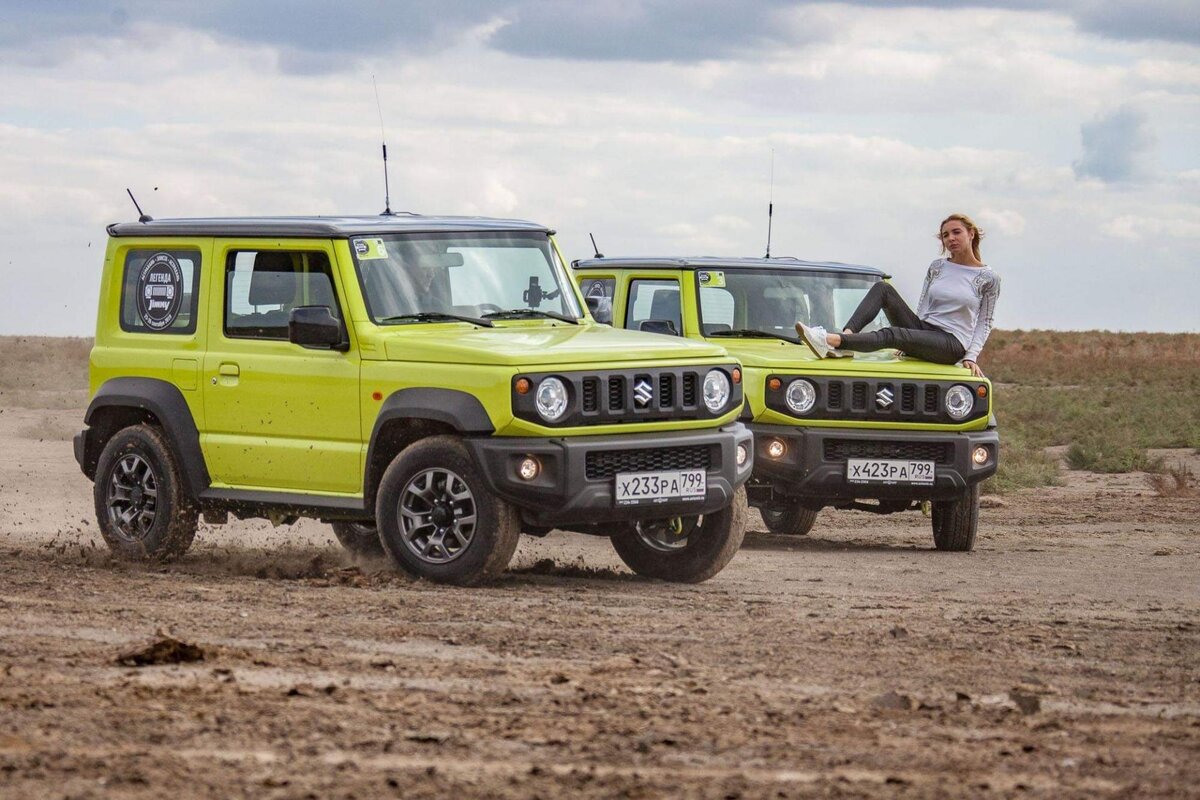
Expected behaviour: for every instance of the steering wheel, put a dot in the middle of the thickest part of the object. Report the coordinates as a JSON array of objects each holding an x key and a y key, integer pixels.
[{"x": 487, "y": 308}]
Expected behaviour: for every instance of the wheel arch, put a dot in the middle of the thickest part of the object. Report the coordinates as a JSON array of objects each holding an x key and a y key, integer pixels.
[
  {"x": 122, "y": 402},
  {"x": 409, "y": 415}
]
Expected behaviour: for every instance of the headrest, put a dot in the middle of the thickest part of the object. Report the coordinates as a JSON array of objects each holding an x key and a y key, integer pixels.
[
  {"x": 665, "y": 305},
  {"x": 273, "y": 282}
]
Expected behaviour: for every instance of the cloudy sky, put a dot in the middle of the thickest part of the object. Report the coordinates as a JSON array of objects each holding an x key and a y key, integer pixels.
[{"x": 1070, "y": 129}]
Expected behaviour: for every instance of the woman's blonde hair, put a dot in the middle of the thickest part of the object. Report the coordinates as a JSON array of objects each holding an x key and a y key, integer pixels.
[{"x": 976, "y": 232}]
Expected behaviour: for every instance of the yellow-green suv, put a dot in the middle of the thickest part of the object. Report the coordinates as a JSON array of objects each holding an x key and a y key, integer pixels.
[
  {"x": 877, "y": 432},
  {"x": 430, "y": 385}
]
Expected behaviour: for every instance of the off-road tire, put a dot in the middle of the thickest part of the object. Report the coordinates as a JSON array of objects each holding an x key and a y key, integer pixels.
[
  {"x": 497, "y": 526},
  {"x": 360, "y": 539},
  {"x": 145, "y": 460},
  {"x": 711, "y": 544},
  {"x": 791, "y": 519},
  {"x": 956, "y": 521}
]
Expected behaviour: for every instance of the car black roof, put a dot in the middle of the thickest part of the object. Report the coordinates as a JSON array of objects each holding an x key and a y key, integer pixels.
[
  {"x": 320, "y": 227},
  {"x": 711, "y": 262}
]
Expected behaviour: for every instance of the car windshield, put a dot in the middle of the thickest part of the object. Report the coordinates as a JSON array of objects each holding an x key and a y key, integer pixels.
[
  {"x": 432, "y": 277},
  {"x": 767, "y": 301}
]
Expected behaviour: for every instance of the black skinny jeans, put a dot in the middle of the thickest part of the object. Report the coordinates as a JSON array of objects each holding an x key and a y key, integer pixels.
[{"x": 909, "y": 333}]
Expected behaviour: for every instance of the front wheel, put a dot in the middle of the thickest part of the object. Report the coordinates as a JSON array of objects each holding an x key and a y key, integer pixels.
[
  {"x": 360, "y": 539},
  {"x": 684, "y": 549},
  {"x": 790, "y": 519},
  {"x": 438, "y": 520},
  {"x": 956, "y": 521},
  {"x": 141, "y": 503}
]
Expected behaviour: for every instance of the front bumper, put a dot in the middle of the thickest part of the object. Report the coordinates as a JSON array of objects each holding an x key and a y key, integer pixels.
[
  {"x": 807, "y": 470},
  {"x": 564, "y": 494}
]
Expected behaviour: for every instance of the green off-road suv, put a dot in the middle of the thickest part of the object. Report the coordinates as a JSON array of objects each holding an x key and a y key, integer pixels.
[
  {"x": 877, "y": 432},
  {"x": 432, "y": 386}
]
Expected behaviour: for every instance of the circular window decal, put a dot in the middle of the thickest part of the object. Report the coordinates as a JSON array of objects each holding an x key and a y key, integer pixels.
[{"x": 160, "y": 291}]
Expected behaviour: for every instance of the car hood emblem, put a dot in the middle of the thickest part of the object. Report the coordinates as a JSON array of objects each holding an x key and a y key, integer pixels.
[
  {"x": 643, "y": 392},
  {"x": 884, "y": 397}
]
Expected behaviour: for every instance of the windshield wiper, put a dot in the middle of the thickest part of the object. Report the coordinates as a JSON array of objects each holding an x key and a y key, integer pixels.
[
  {"x": 751, "y": 333},
  {"x": 530, "y": 312},
  {"x": 437, "y": 316}
]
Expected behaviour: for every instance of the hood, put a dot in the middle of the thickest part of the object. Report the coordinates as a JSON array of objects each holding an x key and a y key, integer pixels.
[
  {"x": 523, "y": 344},
  {"x": 775, "y": 355}
]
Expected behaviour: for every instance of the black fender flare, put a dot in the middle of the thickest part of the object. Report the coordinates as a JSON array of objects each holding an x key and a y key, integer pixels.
[
  {"x": 460, "y": 410},
  {"x": 165, "y": 401}
]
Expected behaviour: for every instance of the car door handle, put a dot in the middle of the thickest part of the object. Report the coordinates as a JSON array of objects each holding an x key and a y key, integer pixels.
[{"x": 227, "y": 375}]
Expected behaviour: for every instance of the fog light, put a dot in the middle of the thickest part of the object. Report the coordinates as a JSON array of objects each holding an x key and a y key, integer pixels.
[
  {"x": 529, "y": 468},
  {"x": 776, "y": 448},
  {"x": 980, "y": 455},
  {"x": 742, "y": 455}
]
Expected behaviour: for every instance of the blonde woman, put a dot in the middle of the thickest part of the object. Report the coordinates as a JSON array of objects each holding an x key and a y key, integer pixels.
[{"x": 953, "y": 317}]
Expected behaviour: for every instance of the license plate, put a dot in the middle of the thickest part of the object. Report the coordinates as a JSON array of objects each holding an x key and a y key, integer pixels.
[
  {"x": 888, "y": 470},
  {"x": 634, "y": 488}
]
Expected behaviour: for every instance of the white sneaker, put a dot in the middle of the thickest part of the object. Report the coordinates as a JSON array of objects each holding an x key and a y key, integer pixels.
[{"x": 815, "y": 338}]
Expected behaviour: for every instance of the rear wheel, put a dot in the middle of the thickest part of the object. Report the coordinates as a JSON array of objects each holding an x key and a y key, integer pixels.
[
  {"x": 141, "y": 502},
  {"x": 684, "y": 549},
  {"x": 438, "y": 520},
  {"x": 360, "y": 539},
  {"x": 955, "y": 522},
  {"x": 790, "y": 519}
]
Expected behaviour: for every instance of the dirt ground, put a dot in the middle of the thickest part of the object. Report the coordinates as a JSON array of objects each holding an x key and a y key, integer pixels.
[{"x": 1060, "y": 659}]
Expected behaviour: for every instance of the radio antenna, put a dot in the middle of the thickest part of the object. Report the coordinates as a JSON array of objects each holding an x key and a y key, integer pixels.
[
  {"x": 594, "y": 248},
  {"x": 387, "y": 198},
  {"x": 771, "y": 203},
  {"x": 142, "y": 216}
]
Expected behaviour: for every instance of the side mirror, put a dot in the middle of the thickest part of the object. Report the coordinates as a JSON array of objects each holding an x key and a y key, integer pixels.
[
  {"x": 658, "y": 326},
  {"x": 315, "y": 326}
]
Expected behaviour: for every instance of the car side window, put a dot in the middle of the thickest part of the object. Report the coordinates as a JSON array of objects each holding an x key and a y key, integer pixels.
[
  {"x": 262, "y": 287},
  {"x": 598, "y": 294},
  {"x": 159, "y": 291},
  {"x": 718, "y": 306},
  {"x": 654, "y": 306}
]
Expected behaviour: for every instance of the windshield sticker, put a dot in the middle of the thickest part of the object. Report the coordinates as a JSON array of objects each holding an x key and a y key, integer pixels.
[
  {"x": 368, "y": 249},
  {"x": 712, "y": 279},
  {"x": 159, "y": 291}
]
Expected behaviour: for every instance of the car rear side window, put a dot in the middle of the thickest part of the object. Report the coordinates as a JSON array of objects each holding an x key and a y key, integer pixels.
[
  {"x": 262, "y": 287},
  {"x": 158, "y": 291},
  {"x": 598, "y": 294}
]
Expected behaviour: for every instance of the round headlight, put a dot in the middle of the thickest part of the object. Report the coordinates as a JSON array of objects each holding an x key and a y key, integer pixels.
[
  {"x": 551, "y": 399},
  {"x": 716, "y": 390},
  {"x": 959, "y": 402},
  {"x": 801, "y": 396}
]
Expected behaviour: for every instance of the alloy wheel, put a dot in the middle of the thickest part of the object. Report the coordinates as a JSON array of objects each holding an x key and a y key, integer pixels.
[
  {"x": 437, "y": 515},
  {"x": 132, "y": 497}
]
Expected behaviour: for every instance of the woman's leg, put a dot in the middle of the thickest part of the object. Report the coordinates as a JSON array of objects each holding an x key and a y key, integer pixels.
[
  {"x": 883, "y": 297},
  {"x": 927, "y": 343}
]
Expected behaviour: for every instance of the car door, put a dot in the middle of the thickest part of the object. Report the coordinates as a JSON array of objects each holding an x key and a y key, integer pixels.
[{"x": 279, "y": 416}]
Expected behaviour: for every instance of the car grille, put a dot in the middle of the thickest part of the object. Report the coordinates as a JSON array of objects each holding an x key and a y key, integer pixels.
[
  {"x": 876, "y": 400},
  {"x": 603, "y": 464},
  {"x": 840, "y": 450},
  {"x": 614, "y": 397}
]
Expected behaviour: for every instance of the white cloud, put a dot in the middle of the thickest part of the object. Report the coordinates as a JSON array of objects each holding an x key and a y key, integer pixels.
[{"x": 879, "y": 130}]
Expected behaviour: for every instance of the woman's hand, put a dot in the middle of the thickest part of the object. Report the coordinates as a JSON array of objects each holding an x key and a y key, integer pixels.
[{"x": 975, "y": 370}]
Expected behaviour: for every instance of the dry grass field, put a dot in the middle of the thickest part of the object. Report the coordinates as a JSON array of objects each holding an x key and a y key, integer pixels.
[{"x": 1059, "y": 659}]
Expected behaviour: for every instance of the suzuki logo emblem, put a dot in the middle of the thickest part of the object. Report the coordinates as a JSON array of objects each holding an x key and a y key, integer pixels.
[
  {"x": 884, "y": 397},
  {"x": 643, "y": 392}
]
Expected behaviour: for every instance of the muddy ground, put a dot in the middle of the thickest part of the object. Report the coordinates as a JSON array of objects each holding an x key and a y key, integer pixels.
[{"x": 1060, "y": 659}]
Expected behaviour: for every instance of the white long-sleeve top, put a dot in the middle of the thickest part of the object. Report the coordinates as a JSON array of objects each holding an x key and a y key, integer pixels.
[{"x": 960, "y": 300}]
